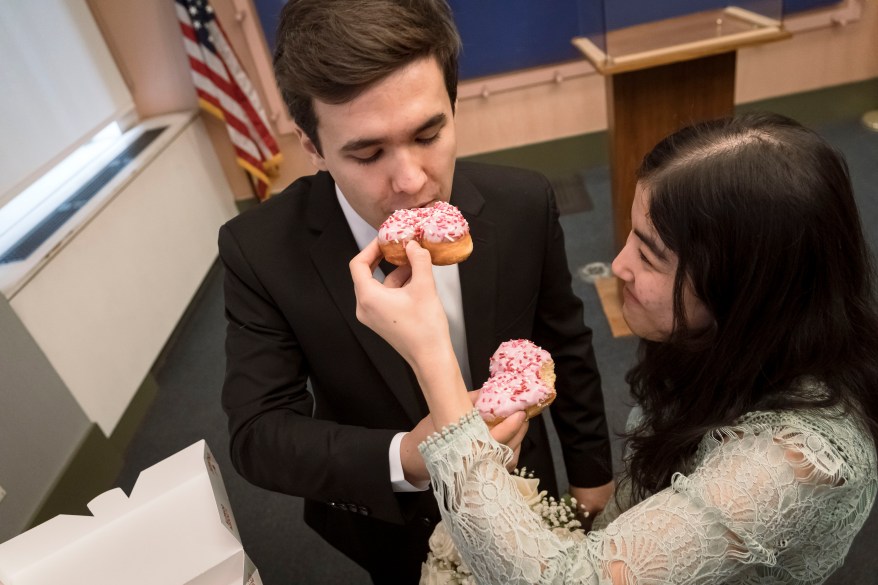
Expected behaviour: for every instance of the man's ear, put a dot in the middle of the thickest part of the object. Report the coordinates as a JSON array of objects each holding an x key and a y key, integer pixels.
[{"x": 311, "y": 150}]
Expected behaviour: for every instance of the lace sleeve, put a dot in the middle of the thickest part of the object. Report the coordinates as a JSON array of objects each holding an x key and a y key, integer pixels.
[
  {"x": 760, "y": 506},
  {"x": 501, "y": 539}
]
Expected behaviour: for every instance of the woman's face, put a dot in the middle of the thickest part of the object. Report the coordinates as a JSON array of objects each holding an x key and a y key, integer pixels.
[{"x": 647, "y": 268}]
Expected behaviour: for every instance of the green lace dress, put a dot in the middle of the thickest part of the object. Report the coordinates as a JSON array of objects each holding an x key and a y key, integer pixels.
[{"x": 776, "y": 498}]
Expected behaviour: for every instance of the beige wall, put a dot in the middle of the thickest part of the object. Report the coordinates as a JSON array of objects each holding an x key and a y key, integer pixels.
[
  {"x": 811, "y": 60},
  {"x": 146, "y": 41}
]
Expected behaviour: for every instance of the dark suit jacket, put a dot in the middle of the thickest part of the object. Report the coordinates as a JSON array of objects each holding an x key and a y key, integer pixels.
[{"x": 314, "y": 397}]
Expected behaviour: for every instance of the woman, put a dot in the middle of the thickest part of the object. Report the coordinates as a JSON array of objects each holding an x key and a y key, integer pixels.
[{"x": 747, "y": 276}]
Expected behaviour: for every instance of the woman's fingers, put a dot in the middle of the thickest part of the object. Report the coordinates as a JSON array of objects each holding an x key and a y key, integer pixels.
[
  {"x": 511, "y": 433},
  {"x": 363, "y": 265},
  {"x": 405, "y": 311},
  {"x": 399, "y": 277},
  {"x": 513, "y": 463},
  {"x": 421, "y": 266},
  {"x": 369, "y": 292},
  {"x": 511, "y": 430}
]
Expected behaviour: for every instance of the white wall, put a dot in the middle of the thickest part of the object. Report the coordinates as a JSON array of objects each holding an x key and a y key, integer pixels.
[
  {"x": 41, "y": 425},
  {"x": 104, "y": 305}
]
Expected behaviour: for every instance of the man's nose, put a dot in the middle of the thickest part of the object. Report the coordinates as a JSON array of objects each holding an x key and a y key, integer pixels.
[{"x": 408, "y": 175}]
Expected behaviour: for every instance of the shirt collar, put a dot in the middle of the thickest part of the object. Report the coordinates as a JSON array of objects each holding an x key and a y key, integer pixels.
[{"x": 363, "y": 232}]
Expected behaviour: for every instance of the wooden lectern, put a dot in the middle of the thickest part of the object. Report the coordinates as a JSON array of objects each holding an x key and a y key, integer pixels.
[{"x": 663, "y": 75}]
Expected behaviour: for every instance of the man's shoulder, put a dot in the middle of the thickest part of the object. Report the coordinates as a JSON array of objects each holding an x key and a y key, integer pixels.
[
  {"x": 506, "y": 190},
  {"x": 486, "y": 174},
  {"x": 285, "y": 208}
]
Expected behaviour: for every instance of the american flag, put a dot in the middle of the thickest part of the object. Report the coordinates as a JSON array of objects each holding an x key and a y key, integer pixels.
[{"x": 225, "y": 91}]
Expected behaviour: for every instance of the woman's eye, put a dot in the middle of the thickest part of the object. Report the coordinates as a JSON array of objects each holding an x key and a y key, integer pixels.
[{"x": 645, "y": 259}]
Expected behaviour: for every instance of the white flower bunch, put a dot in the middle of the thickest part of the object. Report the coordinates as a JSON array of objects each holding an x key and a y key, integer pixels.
[{"x": 444, "y": 566}]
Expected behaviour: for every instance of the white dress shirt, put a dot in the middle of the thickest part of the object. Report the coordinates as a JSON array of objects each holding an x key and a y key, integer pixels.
[{"x": 447, "y": 280}]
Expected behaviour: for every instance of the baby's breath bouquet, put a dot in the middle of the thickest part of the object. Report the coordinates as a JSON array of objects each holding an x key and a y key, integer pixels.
[{"x": 444, "y": 566}]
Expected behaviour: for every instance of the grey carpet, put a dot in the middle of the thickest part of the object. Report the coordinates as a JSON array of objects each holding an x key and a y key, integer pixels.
[{"x": 187, "y": 407}]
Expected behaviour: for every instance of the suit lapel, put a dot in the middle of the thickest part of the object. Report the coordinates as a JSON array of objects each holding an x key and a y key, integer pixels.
[
  {"x": 478, "y": 280},
  {"x": 334, "y": 247}
]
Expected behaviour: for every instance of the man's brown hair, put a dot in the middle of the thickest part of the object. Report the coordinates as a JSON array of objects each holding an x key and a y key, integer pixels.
[{"x": 333, "y": 50}]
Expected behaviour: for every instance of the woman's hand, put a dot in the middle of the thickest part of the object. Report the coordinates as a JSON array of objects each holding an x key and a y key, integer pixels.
[
  {"x": 511, "y": 432},
  {"x": 407, "y": 313},
  {"x": 405, "y": 310}
]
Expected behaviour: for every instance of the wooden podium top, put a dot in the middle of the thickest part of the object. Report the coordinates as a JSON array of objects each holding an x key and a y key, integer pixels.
[{"x": 680, "y": 39}]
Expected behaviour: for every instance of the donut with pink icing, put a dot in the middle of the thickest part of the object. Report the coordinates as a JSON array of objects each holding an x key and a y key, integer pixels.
[
  {"x": 522, "y": 378},
  {"x": 440, "y": 229}
]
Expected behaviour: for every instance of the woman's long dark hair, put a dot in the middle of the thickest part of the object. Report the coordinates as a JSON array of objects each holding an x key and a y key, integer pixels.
[{"x": 761, "y": 214}]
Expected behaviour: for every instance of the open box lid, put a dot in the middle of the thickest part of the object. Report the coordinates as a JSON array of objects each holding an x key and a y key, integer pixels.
[{"x": 177, "y": 527}]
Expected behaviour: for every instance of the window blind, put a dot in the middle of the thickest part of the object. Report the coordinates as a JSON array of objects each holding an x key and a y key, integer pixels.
[{"x": 60, "y": 87}]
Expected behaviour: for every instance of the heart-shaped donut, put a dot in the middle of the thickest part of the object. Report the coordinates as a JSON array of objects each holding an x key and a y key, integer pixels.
[{"x": 522, "y": 378}]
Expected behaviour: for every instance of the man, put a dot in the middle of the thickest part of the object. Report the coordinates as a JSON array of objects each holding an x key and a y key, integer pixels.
[{"x": 318, "y": 405}]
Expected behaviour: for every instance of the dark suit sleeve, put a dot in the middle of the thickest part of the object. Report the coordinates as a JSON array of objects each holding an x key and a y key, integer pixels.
[
  {"x": 578, "y": 410},
  {"x": 275, "y": 442}
]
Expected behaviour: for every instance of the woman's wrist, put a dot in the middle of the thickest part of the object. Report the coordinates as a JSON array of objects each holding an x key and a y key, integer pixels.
[{"x": 443, "y": 387}]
